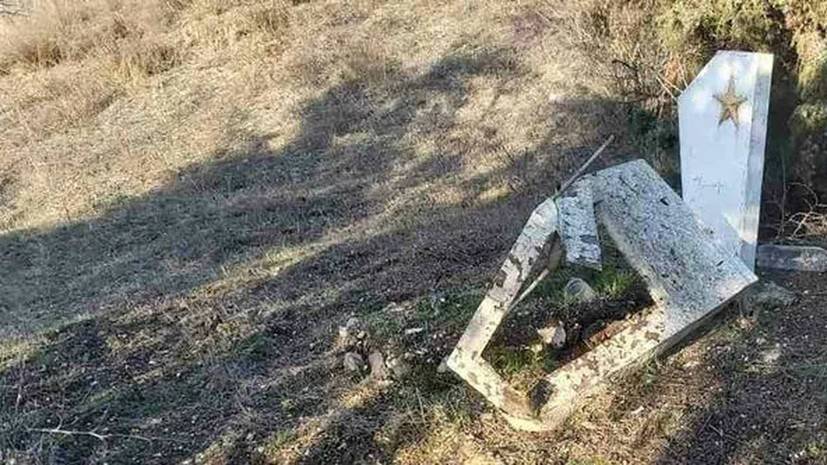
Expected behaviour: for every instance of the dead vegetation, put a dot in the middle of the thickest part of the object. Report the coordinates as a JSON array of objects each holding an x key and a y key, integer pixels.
[{"x": 194, "y": 194}]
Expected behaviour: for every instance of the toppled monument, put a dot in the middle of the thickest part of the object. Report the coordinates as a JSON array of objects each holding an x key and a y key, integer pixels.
[{"x": 689, "y": 278}]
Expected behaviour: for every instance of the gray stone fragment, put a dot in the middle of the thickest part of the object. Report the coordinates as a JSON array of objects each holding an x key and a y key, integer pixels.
[
  {"x": 689, "y": 278},
  {"x": 353, "y": 362},
  {"x": 577, "y": 290},
  {"x": 377, "y": 366},
  {"x": 578, "y": 227},
  {"x": 766, "y": 296},
  {"x": 553, "y": 335},
  {"x": 792, "y": 257},
  {"x": 443, "y": 366}
]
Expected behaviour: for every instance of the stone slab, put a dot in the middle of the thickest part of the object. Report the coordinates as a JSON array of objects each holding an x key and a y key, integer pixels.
[
  {"x": 689, "y": 277},
  {"x": 466, "y": 359},
  {"x": 578, "y": 226},
  {"x": 723, "y": 127},
  {"x": 792, "y": 257}
]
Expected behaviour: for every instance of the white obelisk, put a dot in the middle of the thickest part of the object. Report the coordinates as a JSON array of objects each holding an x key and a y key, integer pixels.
[{"x": 723, "y": 132}]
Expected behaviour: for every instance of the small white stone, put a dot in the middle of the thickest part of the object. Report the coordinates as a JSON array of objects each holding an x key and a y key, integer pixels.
[
  {"x": 772, "y": 355},
  {"x": 554, "y": 334},
  {"x": 353, "y": 362}
]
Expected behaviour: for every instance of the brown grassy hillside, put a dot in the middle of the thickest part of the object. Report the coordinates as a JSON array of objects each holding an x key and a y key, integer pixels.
[{"x": 196, "y": 194}]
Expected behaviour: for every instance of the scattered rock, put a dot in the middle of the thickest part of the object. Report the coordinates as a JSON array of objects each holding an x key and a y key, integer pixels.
[
  {"x": 399, "y": 368},
  {"x": 553, "y": 335},
  {"x": 377, "y": 366},
  {"x": 443, "y": 366},
  {"x": 771, "y": 355},
  {"x": 766, "y": 296},
  {"x": 353, "y": 362},
  {"x": 578, "y": 290},
  {"x": 349, "y": 333}
]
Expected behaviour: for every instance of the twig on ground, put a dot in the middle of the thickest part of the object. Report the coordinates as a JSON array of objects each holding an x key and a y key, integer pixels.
[{"x": 98, "y": 436}]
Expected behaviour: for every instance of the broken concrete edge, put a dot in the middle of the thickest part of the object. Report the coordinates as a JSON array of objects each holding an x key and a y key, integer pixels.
[
  {"x": 792, "y": 257},
  {"x": 466, "y": 359}
]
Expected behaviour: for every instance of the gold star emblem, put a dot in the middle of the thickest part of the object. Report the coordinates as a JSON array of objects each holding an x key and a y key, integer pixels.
[{"x": 730, "y": 102}]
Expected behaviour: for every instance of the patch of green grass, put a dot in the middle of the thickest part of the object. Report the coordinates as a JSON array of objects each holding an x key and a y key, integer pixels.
[
  {"x": 383, "y": 325},
  {"x": 258, "y": 348},
  {"x": 510, "y": 360},
  {"x": 614, "y": 283},
  {"x": 657, "y": 140},
  {"x": 449, "y": 309}
]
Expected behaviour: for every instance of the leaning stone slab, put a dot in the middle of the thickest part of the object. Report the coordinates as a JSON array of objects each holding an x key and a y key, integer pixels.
[
  {"x": 689, "y": 278},
  {"x": 466, "y": 359},
  {"x": 792, "y": 257},
  {"x": 723, "y": 129},
  {"x": 578, "y": 227}
]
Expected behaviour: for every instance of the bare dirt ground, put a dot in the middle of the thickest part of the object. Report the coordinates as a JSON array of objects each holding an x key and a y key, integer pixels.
[{"x": 178, "y": 250}]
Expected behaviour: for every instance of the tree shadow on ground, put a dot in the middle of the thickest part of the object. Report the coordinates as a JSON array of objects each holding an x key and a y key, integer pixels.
[{"x": 197, "y": 319}]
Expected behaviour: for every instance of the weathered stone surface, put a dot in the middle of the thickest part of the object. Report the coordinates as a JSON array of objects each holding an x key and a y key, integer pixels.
[
  {"x": 578, "y": 227},
  {"x": 578, "y": 290},
  {"x": 723, "y": 126},
  {"x": 665, "y": 242},
  {"x": 689, "y": 278},
  {"x": 792, "y": 257},
  {"x": 466, "y": 359}
]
